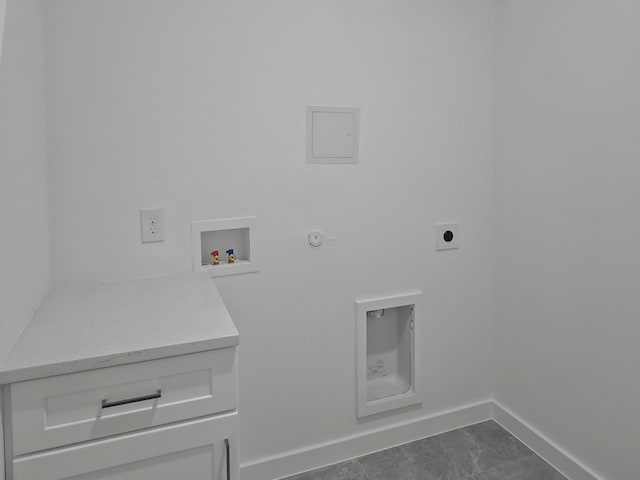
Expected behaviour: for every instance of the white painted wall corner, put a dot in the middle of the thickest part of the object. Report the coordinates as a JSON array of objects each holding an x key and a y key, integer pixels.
[
  {"x": 555, "y": 455},
  {"x": 3, "y": 10}
]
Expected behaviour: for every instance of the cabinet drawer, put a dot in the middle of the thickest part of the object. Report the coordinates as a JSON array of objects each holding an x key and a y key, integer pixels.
[
  {"x": 193, "y": 450},
  {"x": 79, "y": 407}
]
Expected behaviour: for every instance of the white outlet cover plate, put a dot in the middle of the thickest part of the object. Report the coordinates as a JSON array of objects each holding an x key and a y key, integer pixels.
[
  {"x": 446, "y": 231},
  {"x": 152, "y": 225}
]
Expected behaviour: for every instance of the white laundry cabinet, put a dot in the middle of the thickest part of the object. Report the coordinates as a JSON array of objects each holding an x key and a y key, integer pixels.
[{"x": 171, "y": 417}]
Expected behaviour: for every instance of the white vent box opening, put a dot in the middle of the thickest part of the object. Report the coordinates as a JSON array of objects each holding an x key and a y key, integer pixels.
[
  {"x": 386, "y": 352},
  {"x": 237, "y": 234}
]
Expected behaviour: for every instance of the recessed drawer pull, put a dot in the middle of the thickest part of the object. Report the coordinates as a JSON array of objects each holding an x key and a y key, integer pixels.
[{"x": 106, "y": 404}]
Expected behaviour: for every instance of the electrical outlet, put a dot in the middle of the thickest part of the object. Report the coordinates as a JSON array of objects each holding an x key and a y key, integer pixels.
[
  {"x": 447, "y": 236},
  {"x": 152, "y": 225}
]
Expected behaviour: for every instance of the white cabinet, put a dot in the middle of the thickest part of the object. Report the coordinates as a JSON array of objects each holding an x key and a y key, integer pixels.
[
  {"x": 172, "y": 418},
  {"x": 195, "y": 450},
  {"x": 78, "y": 407}
]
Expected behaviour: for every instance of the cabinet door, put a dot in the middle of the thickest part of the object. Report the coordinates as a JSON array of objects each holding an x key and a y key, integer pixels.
[{"x": 194, "y": 450}]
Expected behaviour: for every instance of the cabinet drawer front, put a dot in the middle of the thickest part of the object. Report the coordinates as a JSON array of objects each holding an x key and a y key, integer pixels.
[
  {"x": 193, "y": 450},
  {"x": 79, "y": 407}
]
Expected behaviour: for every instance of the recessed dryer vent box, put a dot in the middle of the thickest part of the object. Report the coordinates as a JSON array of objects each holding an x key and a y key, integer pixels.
[
  {"x": 386, "y": 351},
  {"x": 223, "y": 234},
  {"x": 332, "y": 134}
]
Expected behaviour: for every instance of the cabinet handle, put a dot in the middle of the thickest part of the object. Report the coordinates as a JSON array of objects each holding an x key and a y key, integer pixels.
[
  {"x": 228, "y": 447},
  {"x": 107, "y": 404}
]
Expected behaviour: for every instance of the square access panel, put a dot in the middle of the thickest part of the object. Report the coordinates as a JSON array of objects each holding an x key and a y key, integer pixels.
[{"x": 332, "y": 134}]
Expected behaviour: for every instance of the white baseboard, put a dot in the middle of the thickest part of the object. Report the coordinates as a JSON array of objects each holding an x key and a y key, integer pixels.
[
  {"x": 309, "y": 458},
  {"x": 545, "y": 448},
  {"x": 316, "y": 456}
]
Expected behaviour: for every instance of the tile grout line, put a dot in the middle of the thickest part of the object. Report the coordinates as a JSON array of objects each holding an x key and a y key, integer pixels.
[
  {"x": 364, "y": 470},
  {"x": 519, "y": 459}
]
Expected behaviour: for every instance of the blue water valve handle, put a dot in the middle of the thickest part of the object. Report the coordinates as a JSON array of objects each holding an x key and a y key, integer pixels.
[{"x": 230, "y": 251}]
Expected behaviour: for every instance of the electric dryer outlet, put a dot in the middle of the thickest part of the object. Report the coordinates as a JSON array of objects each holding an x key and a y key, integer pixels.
[{"x": 447, "y": 236}]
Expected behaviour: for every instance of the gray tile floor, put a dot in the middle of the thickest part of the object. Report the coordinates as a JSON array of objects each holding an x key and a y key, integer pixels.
[{"x": 484, "y": 451}]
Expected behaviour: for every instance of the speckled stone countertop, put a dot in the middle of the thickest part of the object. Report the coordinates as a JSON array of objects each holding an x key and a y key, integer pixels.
[{"x": 94, "y": 326}]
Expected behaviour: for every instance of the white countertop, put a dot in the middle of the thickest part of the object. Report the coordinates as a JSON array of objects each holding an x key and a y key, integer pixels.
[{"x": 94, "y": 326}]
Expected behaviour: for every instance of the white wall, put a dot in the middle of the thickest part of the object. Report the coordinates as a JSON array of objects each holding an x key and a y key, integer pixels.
[
  {"x": 24, "y": 214},
  {"x": 567, "y": 329},
  {"x": 199, "y": 106},
  {"x": 3, "y": 11}
]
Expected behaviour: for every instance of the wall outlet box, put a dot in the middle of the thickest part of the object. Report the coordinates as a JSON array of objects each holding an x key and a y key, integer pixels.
[
  {"x": 388, "y": 357},
  {"x": 222, "y": 234},
  {"x": 152, "y": 225},
  {"x": 447, "y": 236}
]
